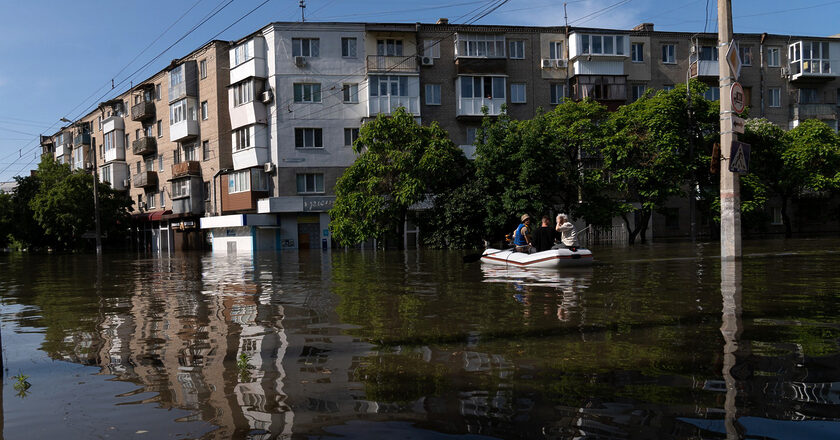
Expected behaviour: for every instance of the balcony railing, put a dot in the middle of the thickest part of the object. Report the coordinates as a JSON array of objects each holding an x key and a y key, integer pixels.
[
  {"x": 81, "y": 139},
  {"x": 143, "y": 111},
  {"x": 146, "y": 179},
  {"x": 384, "y": 63},
  {"x": 818, "y": 111},
  {"x": 144, "y": 146},
  {"x": 184, "y": 169}
]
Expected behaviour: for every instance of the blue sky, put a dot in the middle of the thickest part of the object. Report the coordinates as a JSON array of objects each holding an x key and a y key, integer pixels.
[{"x": 58, "y": 57}]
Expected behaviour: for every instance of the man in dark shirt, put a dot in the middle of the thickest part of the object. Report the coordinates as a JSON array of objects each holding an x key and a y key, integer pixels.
[{"x": 544, "y": 236}]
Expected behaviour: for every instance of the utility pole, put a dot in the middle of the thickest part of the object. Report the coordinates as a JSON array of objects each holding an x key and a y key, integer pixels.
[
  {"x": 96, "y": 197},
  {"x": 302, "y": 4},
  {"x": 730, "y": 190}
]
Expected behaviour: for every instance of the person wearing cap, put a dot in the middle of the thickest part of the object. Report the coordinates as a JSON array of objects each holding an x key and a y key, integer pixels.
[
  {"x": 568, "y": 234},
  {"x": 522, "y": 235}
]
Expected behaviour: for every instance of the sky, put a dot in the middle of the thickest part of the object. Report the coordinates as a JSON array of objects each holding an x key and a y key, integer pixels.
[{"x": 58, "y": 58}]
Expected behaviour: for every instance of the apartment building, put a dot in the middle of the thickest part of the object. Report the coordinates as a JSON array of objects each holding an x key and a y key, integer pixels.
[{"x": 260, "y": 129}]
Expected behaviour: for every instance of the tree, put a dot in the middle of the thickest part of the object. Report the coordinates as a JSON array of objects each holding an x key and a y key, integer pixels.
[
  {"x": 646, "y": 158},
  {"x": 401, "y": 163},
  {"x": 6, "y": 223}
]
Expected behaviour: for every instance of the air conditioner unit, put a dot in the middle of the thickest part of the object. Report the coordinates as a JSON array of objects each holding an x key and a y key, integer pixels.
[
  {"x": 269, "y": 167},
  {"x": 300, "y": 61},
  {"x": 267, "y": 96},
  {"x": 562, "y": 63},
  {"x": 547, "y": 63},
  {"x": 785, "y": 72},
  {"x": 427, "y": 61}
]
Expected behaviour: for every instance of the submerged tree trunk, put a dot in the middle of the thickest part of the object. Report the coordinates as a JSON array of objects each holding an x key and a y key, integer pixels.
[
  {"x": 646, "y": 213},
  {"x": 785, "y": 218}
]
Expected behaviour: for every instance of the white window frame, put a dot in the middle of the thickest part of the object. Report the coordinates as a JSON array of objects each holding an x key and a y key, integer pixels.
[
  {"x": 306, "y": 47},
  {"x": 242, "y": 138},
  {"x": 105, "y": 173},
  {"x": 712, "y": 94},
  {"x": 301, "y": 90},
  {"x": 497, "y": 84},
  {"x": 350, "y": 93},
  {"x": 596, "y": 44},
  {"x": 774, "y": 57},
  {"x": 516, "y": 49},
  {"x": 151, "y": 199},
  {"x": 205, "y": 112},
  {"x": 637, "y": 89},
  {"x": 432, "y": 92},
  {"x": 471, "y": 45},
  {"x": 348, "y": 47},
  {"x": 745, "y": 52},
  {"x": 190, "y": 152},
  {"x": 669, "y": 53},
  {"x": 389, "y": 47},
  {"x": 310, "y": 183},
  {"x": 243, "y": 53},
  {"x": 517, "y": 89},
  {"x": 239, "y": 181},
  {"x": 180, "y": 188},
  {"x": 243, "y": 92},
  {"x": 387, "y": 83},
  {"x": 637, "y": 52},
  {"x": 309, "y": 138},
  {"x": 202, "y": 68},
  {"x": 431, "y": 48},
  {"x": 350, "y": 136},
  {"x": 555, "y": 50},
  {"x": 774, "y": 97},
  {"x": 557, "y": 93}
]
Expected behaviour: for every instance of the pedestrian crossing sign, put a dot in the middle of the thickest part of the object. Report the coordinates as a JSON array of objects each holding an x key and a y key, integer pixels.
[{"x": 739, "y": 157}]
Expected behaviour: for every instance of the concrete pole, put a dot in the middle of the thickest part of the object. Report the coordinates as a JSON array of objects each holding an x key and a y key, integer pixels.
[
  {"x": 731, "y": 328},
  {"x": 730, "y": 190},
  {"x": 96, "y": 197}
]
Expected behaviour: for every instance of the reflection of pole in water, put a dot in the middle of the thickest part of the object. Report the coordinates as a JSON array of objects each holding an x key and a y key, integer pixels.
[{"x": 731, "y": 328}]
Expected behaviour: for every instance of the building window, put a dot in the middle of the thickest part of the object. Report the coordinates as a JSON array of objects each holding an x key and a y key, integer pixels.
[
  {"x": 241, "y": 138},
  {"x": 105, "y": 172},
  {"x": 669, "y": 53},
  {"x": 708, "y": 53},
  {"x": 159, "y": 128},
  {"x": 243, "y": 53},
  {"x": 162, "y": 200},
  {"x": 181, "y": 110},
  {"x": 147, "y": 131},
  {"x": 350, "y": 93},
  {"x": 388, "y": 85},
  {"x": 157, "y": 92},
  {"x": 557, "y": 92},
  {"x": 189, "y": 152},
  {"x": 243, "y": 92},
  {"x": 205, "y": 150},
  {"x": 432, "y": 94},
  {"x": 809, "y": 57},
  {"x": 176, "y": 156},
  {"x": 777, "y": 216},
  {"x": 487, "y": 87},
  {"x": 517, "y": 93},
  {"x": 206, "y": 191},
  {"x": 150, "y": 164},
  {"x": 109, "y": 141},
  {"x": 308, "y": 138},
  {"x": 637, "y": 52},
  {"x": 471, "y": 134},
  {"x": 151, "y": 197},
  {"x": 160, "y": 163},
  {"x": 775, "y": 97},
  {"x": 310, "y": 183},
  {"x": 746, "y": 55},
  {"x": 808, "y": 95},
  {"x": 204, "y": 111},
  {"x": 139, "y": 201},
  {"x": 431, "y": 48},
  {"x": 637, "y": 91},
  {"x": 517, "y": 50},
  {"x": 202, "y": 68},
  {"x": 668, "y": 87},
  {"x": 239, "y": 181},
  {"x": 176, "y": 77},
  {"x": 712, "y": 94},
  {"x": 389, "y": 47},
  {"x": 138, "y": 167},
  {"x": 774, "y": 57},
  {"x": 305, "y": 47},
  {"x": 348, "y": 47},
  {"x": 350, "y": 136},
  {"x": 555, "y": 50},
  {"x": 602, "y": 44},
  {"x": 180, "y": 188},
  {"x": 305, "y": 92},
  {"x": 480, "y": 45}
]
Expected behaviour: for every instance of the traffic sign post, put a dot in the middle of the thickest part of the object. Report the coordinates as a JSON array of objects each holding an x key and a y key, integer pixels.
[
  {"x": 734, "y": 59},
  {"x": 739, "y": 157},
  {"x": 736, "y": 93}
]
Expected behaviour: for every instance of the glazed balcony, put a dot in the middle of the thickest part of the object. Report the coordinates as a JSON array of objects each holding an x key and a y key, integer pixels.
[
  {"x": 389, "y": 64},
  {"x": 146, "y": 179},
  {"x": 81, "y": 139},
  {"x": 187, "y": 168},
  {"x": 143, "y": 111},
  {"x": 144, "y": 146},
  {"x": 815, "y": 111}
]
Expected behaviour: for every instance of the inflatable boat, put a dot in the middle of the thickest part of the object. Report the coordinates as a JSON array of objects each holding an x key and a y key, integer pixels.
[{"x": 554, "y": 257}]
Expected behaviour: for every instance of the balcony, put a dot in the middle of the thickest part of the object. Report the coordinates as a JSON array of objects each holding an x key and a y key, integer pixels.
[
  {"x": 81, "y": 139},
  {"x": 63, "y": 150},
  {"x": 144, "y": 146},
  {"x": 811, "y": 61},
  {"x": 185, "y": 169},
  {"x": 183, "y": 130},
  {"x": 391, "y": 64},
  {"x": 146, "y": 179},
  {"x": 472, "y": 106},
  {"x": 704, "y": 69},
  {"x": 388, "y": 104},
  {"x": 467, "y": 66},
  {"x": 815, "y": 111},
  {"x": 143, "y": 111}
]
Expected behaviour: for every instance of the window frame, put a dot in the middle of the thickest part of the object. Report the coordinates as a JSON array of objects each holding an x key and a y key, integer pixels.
[
  {"x": 315, "y": 181},
  {"x": 669, "y": 53},
  {"x": 317, "y": 137},
  {"x": 431, "y": 48},
  {"x": 516, "y": 49},
  {"x": 312, "y": 50},
  {"x": 350, "y": 135},
  {"x": 637, "y": 52},
  {"x": 778, "y": 93},
  {"x": 242, "y": 138},
  {"x": 350, "y": 93},
  {"x": 205, "y": 111},
  {"x": 524, "y": 92},
  {"x": 346, "y": 50},
  {"x": 778, "y": 57},
  {"x": 426, "y": 92},
  {"x": 300, "y": 92},
  {"x": 555, "y": 98},
  {"x": 202, "y": 68}
]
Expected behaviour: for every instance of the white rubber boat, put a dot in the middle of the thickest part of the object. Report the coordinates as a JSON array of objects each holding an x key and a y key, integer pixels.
[{"x": 555, "y": 257}]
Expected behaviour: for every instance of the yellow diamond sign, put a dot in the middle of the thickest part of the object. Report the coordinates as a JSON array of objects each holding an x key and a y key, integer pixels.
[{"x": 734, "y": 59}]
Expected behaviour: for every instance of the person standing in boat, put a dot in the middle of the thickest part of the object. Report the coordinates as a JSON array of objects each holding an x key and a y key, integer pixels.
[
  {"x": 544, "y": 235},
  {"x": 522, "y": 235},
  {"x": 568, "y": 234}
]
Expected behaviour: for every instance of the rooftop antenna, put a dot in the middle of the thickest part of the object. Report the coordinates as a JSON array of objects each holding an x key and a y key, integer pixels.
[
  {"x": 565, "y": 15},
  {"x": 302, "y": 5}
]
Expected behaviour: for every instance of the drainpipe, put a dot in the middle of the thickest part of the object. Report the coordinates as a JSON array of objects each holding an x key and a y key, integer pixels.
[
  {"x": 215, "y": 192},
  {"x": 761, "y": 71}
]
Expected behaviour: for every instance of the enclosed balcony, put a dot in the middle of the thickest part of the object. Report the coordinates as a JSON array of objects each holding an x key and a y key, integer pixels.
[
  {"x": 811, "y": 60},
  {"x": 143, "y": 111},
  {"x": 389, "y": 92},
  {"x": 81, "y": 139},
  {"x": 146, "y": 179},
  {"x": 388, "y": 64},
  {"x": 144, "y": 146},
  {"x": 815, "y": 111},
  {"x": 477, "y": 92},
  {"x": 187, "y": 168}
]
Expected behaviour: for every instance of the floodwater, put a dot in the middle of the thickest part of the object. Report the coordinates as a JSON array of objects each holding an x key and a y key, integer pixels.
[{"x": 657, "y": 341}]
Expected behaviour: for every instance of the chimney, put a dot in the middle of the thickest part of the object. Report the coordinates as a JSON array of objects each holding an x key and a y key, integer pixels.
[
  {"x": 644, "y": 27},
  {"x": 443, "y": 21}
]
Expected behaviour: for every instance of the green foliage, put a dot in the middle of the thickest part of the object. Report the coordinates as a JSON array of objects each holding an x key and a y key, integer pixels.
[
  {"x": 21, "y": 385},
  {"x": 6, "y": 219},
  {"x": 401, "y": 163}
]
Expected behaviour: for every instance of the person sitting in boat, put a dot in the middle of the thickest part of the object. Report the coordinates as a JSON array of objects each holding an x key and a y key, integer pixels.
[
  {"x": 544, "y": 236},
  {"x": 568, "y": 234},
  {"x": 522, "y": 235}
]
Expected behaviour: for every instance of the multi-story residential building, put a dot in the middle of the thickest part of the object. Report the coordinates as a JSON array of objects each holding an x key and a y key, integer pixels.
[{"x": 260, "y": 129}]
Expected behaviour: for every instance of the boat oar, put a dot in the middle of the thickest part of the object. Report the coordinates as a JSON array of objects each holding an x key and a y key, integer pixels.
[{"x": 472, "y": 258}]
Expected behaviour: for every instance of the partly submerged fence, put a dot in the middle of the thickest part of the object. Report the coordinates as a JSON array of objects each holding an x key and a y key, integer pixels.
[{"x": 613, "y": 235}]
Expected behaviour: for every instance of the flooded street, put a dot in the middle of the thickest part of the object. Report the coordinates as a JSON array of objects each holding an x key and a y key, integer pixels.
[{"x": 649, "y": 342}]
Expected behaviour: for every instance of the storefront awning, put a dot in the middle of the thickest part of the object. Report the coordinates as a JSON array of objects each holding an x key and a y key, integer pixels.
[{"x": 154, "y": 216}]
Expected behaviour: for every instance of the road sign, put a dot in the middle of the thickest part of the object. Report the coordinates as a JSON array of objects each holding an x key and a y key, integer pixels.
[
  {"x": 739, "y": 157},
  {"x": 734, "y": 59},
  {"x": 736, "y": 92},
  {"x": 737, "y": 125}
]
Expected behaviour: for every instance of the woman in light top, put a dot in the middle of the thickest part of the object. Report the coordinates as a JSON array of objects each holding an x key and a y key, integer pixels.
[{"x": 568, "y": 234}]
